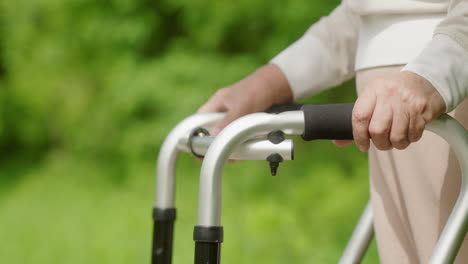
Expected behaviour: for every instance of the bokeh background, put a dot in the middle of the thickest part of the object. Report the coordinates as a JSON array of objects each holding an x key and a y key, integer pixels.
[{"x": 90, "y": 88}]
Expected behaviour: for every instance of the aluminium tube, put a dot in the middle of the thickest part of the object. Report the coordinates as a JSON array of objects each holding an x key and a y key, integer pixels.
[
  {"x": 209, "y": 204},
  {"x": 208, "y": 233},
  {"x": 252, "y": 149},
  {"x": 360, "y": 239},
  {"x": 455, "y": 230},
  {"x": 164, "y": 212},
  {"x": 165, "y": 174},
  {"x": 178, "y": 140}
]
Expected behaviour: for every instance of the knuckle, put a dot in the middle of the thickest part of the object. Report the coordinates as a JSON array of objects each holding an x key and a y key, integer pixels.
[
  {"x": 360, "y": 116},
  {"x": 413, "y": 139},
  {"x": 399, "y": 139},
  {"x": 419, "y": 105},
  {"x": 405, "y": 96},
  {"x": 387, "y": 147},
  {"x": 400, "y": 146},
  {"x": 382, "y": 146},
  {"x": 415, "y": 136},
  {"x": 391, "y": 88},
  {"x": 378, "y": 130}
]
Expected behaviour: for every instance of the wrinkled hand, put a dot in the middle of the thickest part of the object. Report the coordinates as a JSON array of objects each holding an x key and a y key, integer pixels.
[
  {"x": 393, "y": 111},
  {"x": 255, "y": 93}
]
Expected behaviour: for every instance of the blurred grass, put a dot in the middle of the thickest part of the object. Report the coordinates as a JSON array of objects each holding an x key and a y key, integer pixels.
[
  {"x": 66, "y": 211},
  {"x": 88, "y": 91}
]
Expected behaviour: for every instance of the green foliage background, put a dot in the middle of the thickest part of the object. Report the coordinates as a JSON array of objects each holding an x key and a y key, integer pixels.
[{"x": 90, "y": 88}]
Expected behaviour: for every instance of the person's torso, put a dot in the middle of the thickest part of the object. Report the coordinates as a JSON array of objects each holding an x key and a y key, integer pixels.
[{"x": 393, "y": 32}]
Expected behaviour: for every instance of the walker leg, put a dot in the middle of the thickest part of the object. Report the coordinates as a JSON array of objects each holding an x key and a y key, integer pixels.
[
  {"x": 360, "y": 239},
  {"x": 208, "y": 244},
  {"x": 455, "y": 230},
  {"x": 163, "y": 231}
]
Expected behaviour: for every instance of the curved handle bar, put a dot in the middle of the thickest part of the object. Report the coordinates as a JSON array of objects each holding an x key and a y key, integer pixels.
[{"x": 164, "y": 212}]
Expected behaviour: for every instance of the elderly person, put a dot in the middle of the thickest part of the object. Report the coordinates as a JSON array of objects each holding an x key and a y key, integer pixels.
[{"x": 410, "y": 60}]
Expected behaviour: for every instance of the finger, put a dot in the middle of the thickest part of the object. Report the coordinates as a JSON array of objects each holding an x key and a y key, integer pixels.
[
  {"x": 362, "y": 114},
  {"x": 215, "y": 105},
  {"x": 399, "y": 132},
  {"x": 342, "y": 143},
  {"x": 230, "y": 116},
  {"x": 380, "y": 125},
  {"x": 416, "y": 128}
]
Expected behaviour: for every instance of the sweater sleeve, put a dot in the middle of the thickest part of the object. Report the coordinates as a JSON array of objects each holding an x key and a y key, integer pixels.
[
  {"x": 444, "y": 61},
  {"x": 324, "y": 56}
]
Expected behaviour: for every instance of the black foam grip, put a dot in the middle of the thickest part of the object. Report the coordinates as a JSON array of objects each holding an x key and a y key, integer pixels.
[
  {"x": 328, "y": 121},
  {"x": 276, "y": 109},
  {"x": 163, "y": 231}
]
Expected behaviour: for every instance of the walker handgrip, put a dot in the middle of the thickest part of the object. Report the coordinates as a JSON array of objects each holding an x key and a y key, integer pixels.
[{"x": 327, "y": 121}]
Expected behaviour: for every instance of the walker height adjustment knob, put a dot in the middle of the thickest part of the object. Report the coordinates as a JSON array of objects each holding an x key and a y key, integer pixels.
[
  {"x": 274, "y": 160},
  {"x": 276, "y": 136}
]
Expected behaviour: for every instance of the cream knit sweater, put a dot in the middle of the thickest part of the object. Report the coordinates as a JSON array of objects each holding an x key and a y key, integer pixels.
[{"x": 325, "y": 56}]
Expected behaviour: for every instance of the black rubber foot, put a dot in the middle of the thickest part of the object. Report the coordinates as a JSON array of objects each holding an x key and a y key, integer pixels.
[
  {"x": 163, "y": 231},
  {"x": 208, "y": 241}
]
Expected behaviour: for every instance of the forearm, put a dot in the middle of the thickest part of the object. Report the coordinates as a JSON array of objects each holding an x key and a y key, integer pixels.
[
  {"x": 324, "y": 56},
  {"x": 271, "y": 77}
]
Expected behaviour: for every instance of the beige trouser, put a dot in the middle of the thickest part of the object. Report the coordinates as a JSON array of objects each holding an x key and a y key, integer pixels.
[{"x": 412, "y": 190}]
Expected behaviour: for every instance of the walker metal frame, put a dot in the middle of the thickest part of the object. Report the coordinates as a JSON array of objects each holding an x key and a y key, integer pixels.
[{"x": 208, "y": 233}]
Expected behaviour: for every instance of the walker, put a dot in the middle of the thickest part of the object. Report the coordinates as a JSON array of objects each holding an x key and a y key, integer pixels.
[{"x": 261, "y": 136}]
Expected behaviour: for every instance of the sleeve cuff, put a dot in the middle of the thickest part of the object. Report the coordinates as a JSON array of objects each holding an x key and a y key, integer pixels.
[
  {"x": 444, "y": 64},
  {"x": 307, "y": 67}
]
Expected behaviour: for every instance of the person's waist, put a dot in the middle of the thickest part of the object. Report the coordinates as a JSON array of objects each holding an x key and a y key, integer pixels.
[{"x": 393, "y": 39}]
